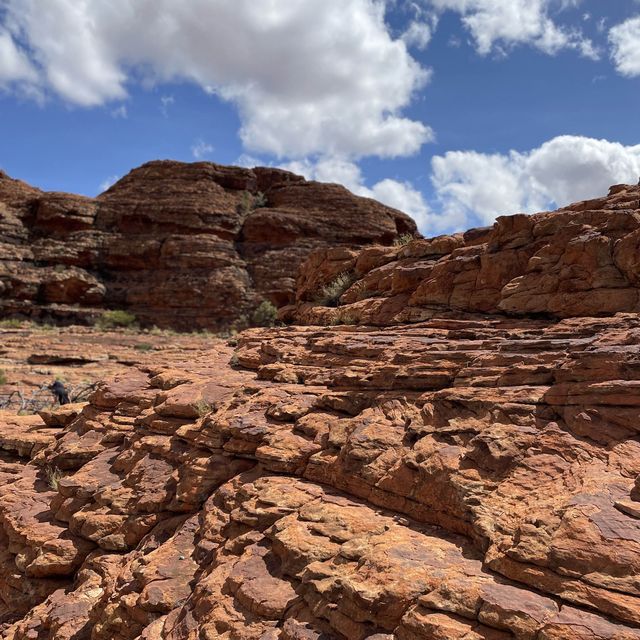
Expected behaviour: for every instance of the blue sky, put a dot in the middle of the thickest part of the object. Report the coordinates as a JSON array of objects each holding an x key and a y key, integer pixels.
[{"x": 454, "y": 110}]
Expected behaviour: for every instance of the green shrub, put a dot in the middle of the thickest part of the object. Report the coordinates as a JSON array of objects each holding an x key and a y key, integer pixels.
[
  {"x": 203, "y": 408},
  {"x": 265, "y": 315},
  {"x": 251, "y": 202},
  {"x": 405, "y": 238},
  {"x": 54, "y": 475},
  {"x": 3, "y": 377},
  {"x": 116, "y": 318},
  {"x": 11, "y": 323},
  {"x": 343, "y": 317},
  {"x": 143, "y": 346},
  {"x": 330, "y": 294},
  {"x": 259, "y": 200}
]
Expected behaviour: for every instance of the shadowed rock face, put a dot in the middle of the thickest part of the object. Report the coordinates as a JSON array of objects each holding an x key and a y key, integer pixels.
[
  {"x": 471, "y": 476},
  {"x": 179, "y": 245}
]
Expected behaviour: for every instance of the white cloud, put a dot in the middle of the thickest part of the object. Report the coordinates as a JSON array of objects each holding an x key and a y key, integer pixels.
[
  {"x": 625, "y": 47},
  {"x": 120, "y": 112},
  {"x": 419, "y": 32},
  {"x": 393, "y": 193},
  {"x": 165, "y": 103},
  {"x": 495, "y": 24},
  {"x": 476, "y": 188},
  {"x": 109, "y": 182},
  {"x": 14, "y": 64},
  {"x": 320, "y": 76},
  {"x": 201, "y": 149}
]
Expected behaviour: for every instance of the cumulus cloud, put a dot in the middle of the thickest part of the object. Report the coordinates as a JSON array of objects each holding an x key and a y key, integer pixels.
[
  {"x": 397, "y": 194},
  {"x": 476, "y": 188},
  {"x": 14, "y": 64},
  {"x": 420, "y": 31},
  {"x": 625, "y": 47},
  {"x": 320, "y": 76},
  {"x": 505, "y": 23}
]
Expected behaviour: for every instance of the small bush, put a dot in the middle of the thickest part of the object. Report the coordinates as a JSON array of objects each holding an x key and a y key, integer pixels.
[
  {"x": 11, "y": 323},
  {"x": 259, "y": 200},
  {"x": 203, "y": 408},
  {"x": 265, "y": 315},
  {"x": 244, "y": 208},
  {"x": 330, "y": 294},
  {"x": 54, "y": 475},
  {"x": 115, "y": 319},
  {"x": 143, "y": 346},
  {"x": 251, "y": 202},
  {"x": 3, "y": 377},
  {"x": 405, "y": 238},
  {"x": 343, "y": 317},
  {"x": 241, "y": 323}
]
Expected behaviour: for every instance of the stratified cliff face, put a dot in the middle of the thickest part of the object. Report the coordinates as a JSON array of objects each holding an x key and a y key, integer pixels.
[
  {"x": 471, "y": 476},
  {"x": 583, "y": 260},
  {"x": 179, "y": 245}
]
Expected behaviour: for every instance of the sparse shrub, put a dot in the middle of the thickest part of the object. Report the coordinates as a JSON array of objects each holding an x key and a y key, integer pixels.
[
  {"x": 3, "y": 377},
  {"x": 259, "y": 200},
  {"x": 244, "y": 208},
  {"x": 405, "y": 238},
  {"x": 60, "y": 268},
  {"x": 343, "y": 317},
  {"x": 235, "y": 361},
  {"x": 365, "y": 294},
  {"x": 265, "y": 315},
  {"x": 54, "y": 475},
  {"x": 240, "y": 324},
  {"x": 143, "y": 346},
  {"x": 203, "y": 408},
  {"x": 330, "y": 294},
  {"x": 251, "y": 202},
  {"x": 116, "y": 318},
  {"x": 11, "y": 323}
]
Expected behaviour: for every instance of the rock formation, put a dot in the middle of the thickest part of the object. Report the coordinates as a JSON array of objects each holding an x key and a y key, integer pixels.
[
  {"x": 464, "y": 467},
  {"x": 583, "y": 260},
  {"x": 186, "y": 246}
]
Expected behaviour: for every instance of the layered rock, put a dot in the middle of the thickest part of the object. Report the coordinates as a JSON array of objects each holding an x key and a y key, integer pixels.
[
  {"x": 471, "y": 476},
  {"x": 579, "y": 261},
  {"x": 179, "y": 245}
]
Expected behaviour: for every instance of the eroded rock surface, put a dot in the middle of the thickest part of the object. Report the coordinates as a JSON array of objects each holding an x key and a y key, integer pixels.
[
  {"x": 579, "y": 261},
  {"x": 466, "y": 477},
  {"x": 179, "y": 245}
]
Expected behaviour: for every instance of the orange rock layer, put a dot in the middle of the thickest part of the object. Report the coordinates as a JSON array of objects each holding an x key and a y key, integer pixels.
[
  {"x": 468, "y": 476},
  {"x": 179, "y": 245}
]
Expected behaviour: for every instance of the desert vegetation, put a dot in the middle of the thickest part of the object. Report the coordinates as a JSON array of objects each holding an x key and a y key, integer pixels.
[{"x": 330, "y": 294}]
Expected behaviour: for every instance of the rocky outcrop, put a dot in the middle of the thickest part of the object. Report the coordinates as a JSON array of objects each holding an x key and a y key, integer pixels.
[
  {"x": 179, "y": 245},
  {"x": 579, "y": 261},
  {"x": 471, "y": 476}
]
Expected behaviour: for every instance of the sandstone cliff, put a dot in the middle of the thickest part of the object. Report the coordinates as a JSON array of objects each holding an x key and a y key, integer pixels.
[
  {"x": 186, "y": 246},
  {"x": 460, "y": 474},
  {"x": 583, "y": 260}
]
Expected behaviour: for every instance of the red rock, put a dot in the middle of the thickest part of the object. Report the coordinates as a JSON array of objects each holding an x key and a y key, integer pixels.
[
  {"x": 472, "y": 476},
  {"x": 578, "y": 261},
  {"x": 178, "y": 245}
]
